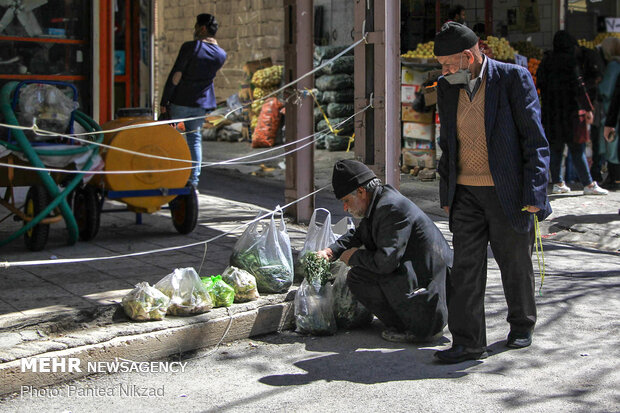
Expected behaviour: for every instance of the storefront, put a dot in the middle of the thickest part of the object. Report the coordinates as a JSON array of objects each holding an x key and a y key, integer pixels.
[
  {"x": 101, "y": 47},
  {"x": 516, "y": 31}
]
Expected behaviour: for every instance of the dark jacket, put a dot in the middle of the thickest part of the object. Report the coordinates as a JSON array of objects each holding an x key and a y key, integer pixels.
[
  {"x": 399, "y": 240},
  {"x": 198, "y": 62},
  {"x": 561, "y": 93},
  {"x": 517, "y": 147},
  {"x": 611, "y": 119}
]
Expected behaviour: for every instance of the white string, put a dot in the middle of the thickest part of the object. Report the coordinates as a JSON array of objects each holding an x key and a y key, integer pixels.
[
  {"x": 43, "y": 132},
  {"x": 234, "y": 161},
  {"x": 8, "y": 264}
]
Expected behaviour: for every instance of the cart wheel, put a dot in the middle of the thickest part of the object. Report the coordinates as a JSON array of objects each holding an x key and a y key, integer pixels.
[
  {"x": 184, "y": 211},
  {"x": 86, "y": 212},
  {"x": 36, "y": 201}
]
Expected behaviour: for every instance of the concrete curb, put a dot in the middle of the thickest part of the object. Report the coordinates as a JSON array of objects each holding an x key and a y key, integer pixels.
[{"x": 184, "y": 335}]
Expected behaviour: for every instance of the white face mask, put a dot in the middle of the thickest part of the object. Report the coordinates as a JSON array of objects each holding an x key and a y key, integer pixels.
[{"x": 460, "y": 77}]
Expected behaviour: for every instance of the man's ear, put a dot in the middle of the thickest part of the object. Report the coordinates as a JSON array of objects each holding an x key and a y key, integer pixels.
[{"x": 470, "y": 56}]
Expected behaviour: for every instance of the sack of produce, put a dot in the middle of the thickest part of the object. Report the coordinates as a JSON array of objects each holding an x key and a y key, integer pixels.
[
  {"x": 313, "y": 310},
  {"x": 186, "y": 292},
  {"x": 145, "y": 303},
  {"x": 340, "y": 110},
  {"x": 221, "y": 293},
  {"x": 334, "y": 82},
  {"x": 269, "y": 77},
  {"x": 322, "y": 53},
  {"x": 343, "y": 64},
  {"x": 337, "y": 96},
  {"x": 242, "y": 282},
  {"x": 344, "y": 126},
  {"x": 320, "y": 142},
  {"x": 259, "y": 93},
  {"x": 318, "y": 237},
  {"x": 318, "y": 115},
  {"x": 267, "y": 255},
  {"x": 268, "y": 123},
  {"x": 337, "y": 143},
  {"x": 349, "y": 312}
]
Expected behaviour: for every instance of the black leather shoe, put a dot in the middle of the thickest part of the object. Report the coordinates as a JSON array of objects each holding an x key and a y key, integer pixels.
[
  {"x": 519, "y": 340},
  {"x": 458, "y": 354}
]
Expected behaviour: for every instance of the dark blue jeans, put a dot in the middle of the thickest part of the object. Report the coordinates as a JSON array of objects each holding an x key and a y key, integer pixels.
[
  {"x": 192, "y": 135},
  {"x": 578, "y": 155}
]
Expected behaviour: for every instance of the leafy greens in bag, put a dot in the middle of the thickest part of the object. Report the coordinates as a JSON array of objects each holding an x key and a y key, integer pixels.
[
  {"x": 243, "y": 282},
  {"x": 221, "y": 293},
  {"x": 266, "y": 255},
  {"x": 145, "y": 303},
  {"x": 313, "y": 310},
  {"x": 186, "y": 292}
]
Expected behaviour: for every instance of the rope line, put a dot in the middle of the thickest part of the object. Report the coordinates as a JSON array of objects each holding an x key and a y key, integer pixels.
[
  {"x": 43, "y": 132},
  {"x": 233, "y": 161},
  {"x": 8, "y": 264}
]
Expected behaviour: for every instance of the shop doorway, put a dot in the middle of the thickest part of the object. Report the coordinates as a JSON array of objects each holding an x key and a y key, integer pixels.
[{"x": 132, "y": 53}]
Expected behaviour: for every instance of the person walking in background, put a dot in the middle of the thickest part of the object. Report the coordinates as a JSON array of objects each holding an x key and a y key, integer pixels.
[
  {"x": 189, "y": 91},
  {"x": 611, "y": 50},
  {"x": 562, "y": 97},
  {"x": 493, "y": 173},
  {"x": 457, "y": 14}
]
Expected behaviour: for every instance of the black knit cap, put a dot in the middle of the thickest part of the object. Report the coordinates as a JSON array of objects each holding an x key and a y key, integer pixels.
[
  {"x": 349, "y": 175},
  {"x": 454, "y": 38}
]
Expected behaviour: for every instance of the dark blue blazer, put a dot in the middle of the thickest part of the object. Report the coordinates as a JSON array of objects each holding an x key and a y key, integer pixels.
[{"x": 517, "y": 146}]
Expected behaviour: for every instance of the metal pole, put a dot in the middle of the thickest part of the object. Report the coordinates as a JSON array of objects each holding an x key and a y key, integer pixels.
[
  {"x": 377, "y": 133},
  {"x": 299, "y": 116}
]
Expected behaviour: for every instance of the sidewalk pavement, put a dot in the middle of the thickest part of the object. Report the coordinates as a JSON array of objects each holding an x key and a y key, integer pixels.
[{"x": 72, "y": 310}]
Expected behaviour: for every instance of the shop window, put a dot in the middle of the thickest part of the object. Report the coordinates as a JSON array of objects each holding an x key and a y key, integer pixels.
[{"x": 47, "y": 40}]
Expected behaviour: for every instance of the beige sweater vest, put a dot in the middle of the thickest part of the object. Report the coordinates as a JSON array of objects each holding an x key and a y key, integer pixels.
[{"x": 473, "y": 161}]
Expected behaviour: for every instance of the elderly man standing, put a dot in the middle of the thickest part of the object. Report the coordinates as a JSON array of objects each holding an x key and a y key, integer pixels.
[
  {"x": 493, "y": 180},
  {"x": 399, "y": 259}
]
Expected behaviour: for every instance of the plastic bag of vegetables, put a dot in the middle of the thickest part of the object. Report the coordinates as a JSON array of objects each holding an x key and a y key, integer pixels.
[
  {"x": 221, "y": 293},
  {"x": 314, "y": 312},
  {"x": 243, "y": 283},
  {"x": 186, "y": 292},
  {"x": 145, "y": 303},
  {"x": 319, "y": 236},
  {"x": 266, "y": 255},
  {"x": 349, "y": 312}
]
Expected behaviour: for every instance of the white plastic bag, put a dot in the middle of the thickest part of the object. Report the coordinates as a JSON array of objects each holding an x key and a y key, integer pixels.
[
  {"x": 48, "y": 104},
  {"x": 318, "y": 237},
  {"x": 348, "y": 311},
  {"x": 266, "y": 255},
  {"x": 243, "y": 282},
  {"x": 314, "y": 312},
  {"x": 145, "y": 303},
  {"x": 187, "y": 293}
]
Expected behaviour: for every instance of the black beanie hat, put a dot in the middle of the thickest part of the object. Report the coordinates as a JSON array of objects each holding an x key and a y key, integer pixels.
[
  {"x": 454, "y": 38},
  {"x": 349, "y": 175},
  {"x": 204, "y": 19}
]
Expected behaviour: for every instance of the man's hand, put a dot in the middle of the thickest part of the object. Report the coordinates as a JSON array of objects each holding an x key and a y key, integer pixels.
[
  {"x": 530, "y": 208},
  {"x": 346, "y": 256},
  {"x": 447, "y": 209},
  {"x": 162, "y": 109},
  {"x": 589, "y": 117},
  {"x": 327, "y": 253},
  {"x": 609, "y": 133}
]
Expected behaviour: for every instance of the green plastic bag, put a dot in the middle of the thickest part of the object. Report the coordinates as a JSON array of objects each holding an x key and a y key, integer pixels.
[{"x": 221, "y": 293}]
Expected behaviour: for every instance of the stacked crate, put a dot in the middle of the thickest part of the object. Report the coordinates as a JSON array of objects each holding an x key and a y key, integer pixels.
[{"x": 418, "y": 133}]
